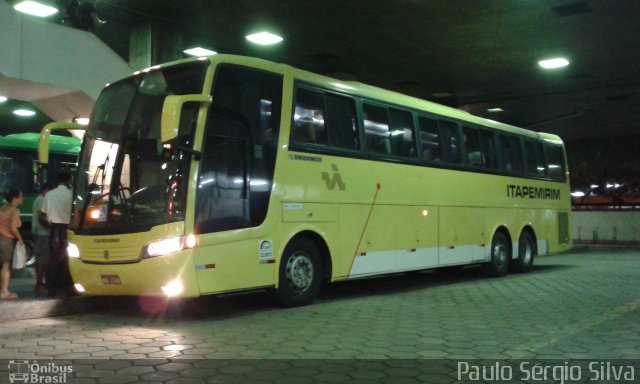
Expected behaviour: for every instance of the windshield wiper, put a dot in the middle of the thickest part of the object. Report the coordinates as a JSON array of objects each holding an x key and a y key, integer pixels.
[
  {"x": 126, "y": 209},
  {"x": 94, "y": 187}
]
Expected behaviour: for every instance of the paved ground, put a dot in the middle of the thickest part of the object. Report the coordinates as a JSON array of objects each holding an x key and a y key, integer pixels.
[{"x": 574, "y": 306}]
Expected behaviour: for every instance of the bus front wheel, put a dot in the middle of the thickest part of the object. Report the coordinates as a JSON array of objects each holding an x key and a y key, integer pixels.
[
  {"x": 526, "y": 253},
  {"x": 300, "y": 273},
  {"x": 498, "y": 265}
]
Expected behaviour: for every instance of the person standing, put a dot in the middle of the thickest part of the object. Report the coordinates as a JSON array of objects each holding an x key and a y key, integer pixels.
[
  {"x": 56, "y": 213},
  {"x": 40, "y": 234},
  {"x": 9, "y": 234}
]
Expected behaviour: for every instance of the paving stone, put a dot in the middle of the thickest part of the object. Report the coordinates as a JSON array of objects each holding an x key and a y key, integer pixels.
[{"x": 573, "y": 306}]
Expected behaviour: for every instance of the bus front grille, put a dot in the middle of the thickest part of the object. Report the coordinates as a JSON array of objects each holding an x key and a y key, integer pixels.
[{"x": 111, "y": 255}]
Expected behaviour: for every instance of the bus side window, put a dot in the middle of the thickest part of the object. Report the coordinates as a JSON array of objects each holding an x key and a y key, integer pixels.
[
  {"x": 534, "y": 159},
  {"x": 341, "y": 124},
  {"x": 488, "y": 140},
  {"x": 511, "y": 154},
  {"x": 430, "y": 139},
  {"x": 475, "y": 157},
  {"x": 376, "y": 128},
  {"x": 555, "y": 162},
  {"x": 402, "y": 141},
  {"x": 450, "y": 144},
  {"x": 308, "y": 118}
]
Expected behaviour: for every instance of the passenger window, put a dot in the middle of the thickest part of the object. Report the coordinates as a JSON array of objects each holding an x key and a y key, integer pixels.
[
  {"x": 534, "y": 159},
  {"x": 511, "y": 156},
  {"x": 475, "y": 157},
  {"x": 450, "y": 144},
  {"x": 402, "y": 141},
  {"x": 376, "y": 129},
  {"x": 308, "y": 118},
  {"x": 555, "y": 162},
  {"x": 488, "y": 140},
  {"x": 430, "y": 139},
  {"x": 341, "y": 122}
]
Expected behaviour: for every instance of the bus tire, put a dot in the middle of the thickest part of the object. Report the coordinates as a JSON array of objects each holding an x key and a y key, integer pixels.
[
  {"x": 526, "y": 253},
  {"x": 300, "y": 273},
  {"x": 498, "y": 264}
]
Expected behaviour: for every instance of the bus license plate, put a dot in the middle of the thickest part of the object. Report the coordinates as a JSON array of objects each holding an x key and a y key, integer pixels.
[{"x": 111, "y": 279}]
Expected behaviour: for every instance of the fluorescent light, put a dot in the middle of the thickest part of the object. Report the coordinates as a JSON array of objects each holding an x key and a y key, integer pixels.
[
  {"x": 558, "y": 62},
  {"x": 35, "y": 9},
  {"x": 24, "y": 112},
  {"x": 495, "y": 110},
  {"x": 264, "y": 38},
  {"x": 199, "y": 51},
  {"x": 3, "y": 99}
]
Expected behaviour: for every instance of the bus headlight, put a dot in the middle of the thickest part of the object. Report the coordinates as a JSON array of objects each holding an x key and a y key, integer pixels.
[
  {"x": 73, "y": 251},
  {"x": 167, "y": 246}
]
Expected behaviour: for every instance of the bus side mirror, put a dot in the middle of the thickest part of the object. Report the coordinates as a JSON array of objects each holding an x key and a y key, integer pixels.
[
  {"x": 171, "y": 111},
  {"x": 43, "y": 143}
]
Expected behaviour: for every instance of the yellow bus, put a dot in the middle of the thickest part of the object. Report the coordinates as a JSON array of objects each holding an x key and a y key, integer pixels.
[{"x": 230, "y": 173}]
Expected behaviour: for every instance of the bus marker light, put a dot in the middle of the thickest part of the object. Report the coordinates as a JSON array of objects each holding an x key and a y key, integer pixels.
[
  {"x": 173, "y": 288},
  {"x": 79, "y": 287},
  {"x": 425, "y": 212}
]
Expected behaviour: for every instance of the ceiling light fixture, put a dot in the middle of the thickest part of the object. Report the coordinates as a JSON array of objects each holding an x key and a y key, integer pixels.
[
  {"x": 35, "y": 9},
  {"x": 554, "y": 63},
  {"x": 199, "y": 51},
  {"x": 264, "y": 38},
  {"x": 495, "y": 110},
  {"x": 24, "y": 112},
  {"x": 3, "y": 99}
]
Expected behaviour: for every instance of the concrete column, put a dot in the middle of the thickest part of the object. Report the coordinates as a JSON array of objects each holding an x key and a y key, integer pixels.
[
  {"x": 140, "y": 42},
  {"x": 154, "y": 42}
]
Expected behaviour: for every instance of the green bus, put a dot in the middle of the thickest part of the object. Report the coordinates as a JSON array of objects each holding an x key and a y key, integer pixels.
[{"x": 19, "y": 167}]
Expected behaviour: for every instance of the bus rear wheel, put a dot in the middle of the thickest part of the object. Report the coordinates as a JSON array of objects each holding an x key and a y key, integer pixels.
[
  {"x": 498, "y": 265},
  {"x": 300, "y": 273},
  {"x": 526, "y": 253}
]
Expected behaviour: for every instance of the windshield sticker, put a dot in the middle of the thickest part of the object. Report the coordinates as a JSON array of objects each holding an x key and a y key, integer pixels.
[{"x": 265, "y": 249}]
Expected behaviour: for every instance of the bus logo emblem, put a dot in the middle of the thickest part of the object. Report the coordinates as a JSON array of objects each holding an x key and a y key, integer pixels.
[
  {"x": 334, "y": 180},
  {"x": 106, "y": 254}
]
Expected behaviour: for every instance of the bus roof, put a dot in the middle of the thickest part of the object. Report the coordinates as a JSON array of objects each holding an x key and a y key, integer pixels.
[
  {"x": 368, "y": 91},
  {"x": 29, "y": 140}
]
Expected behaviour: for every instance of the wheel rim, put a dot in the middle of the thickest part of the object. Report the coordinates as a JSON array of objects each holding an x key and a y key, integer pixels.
[
  {"x": 526, "y": 251},
  {"x": 299, "y": 271},
  {"x": 500, "y": 254}
]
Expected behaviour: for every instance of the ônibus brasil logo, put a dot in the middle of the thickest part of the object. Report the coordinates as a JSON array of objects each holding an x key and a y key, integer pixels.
[{"x": 25, "y": 371}]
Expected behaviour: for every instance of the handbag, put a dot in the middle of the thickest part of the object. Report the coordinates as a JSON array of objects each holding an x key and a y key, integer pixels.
[{"x": 19, "y": 256}]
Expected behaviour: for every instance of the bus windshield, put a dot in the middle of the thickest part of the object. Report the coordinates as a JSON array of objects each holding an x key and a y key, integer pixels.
[{"x": 126, "y": 182}]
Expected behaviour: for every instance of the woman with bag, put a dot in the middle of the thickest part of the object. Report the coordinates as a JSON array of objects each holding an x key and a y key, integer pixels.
[{"x": 9, "y": 234}]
